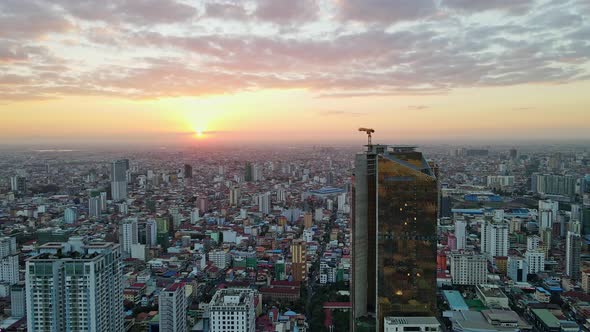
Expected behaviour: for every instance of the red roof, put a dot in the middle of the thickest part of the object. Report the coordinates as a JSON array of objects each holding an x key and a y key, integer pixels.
[
  {"x": 175, "y": 286},
  {"x": 337, "y": 305},
  {"x": 279, "y": 290}
]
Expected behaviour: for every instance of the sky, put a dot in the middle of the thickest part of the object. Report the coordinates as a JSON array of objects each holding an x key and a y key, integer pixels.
[{"x": 293, "y": 71}]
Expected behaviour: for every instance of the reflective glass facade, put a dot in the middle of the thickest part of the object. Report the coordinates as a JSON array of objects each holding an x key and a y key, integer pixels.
[{"x": 394, "y": 236}]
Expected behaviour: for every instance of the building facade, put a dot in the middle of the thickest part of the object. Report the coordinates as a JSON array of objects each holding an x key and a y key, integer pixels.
[
  {"x": 394, "y": 235},
  {"x": 76, "y": 291},
  {"x": 233, "y": 310},
  {"x": 172, "y": 307}
]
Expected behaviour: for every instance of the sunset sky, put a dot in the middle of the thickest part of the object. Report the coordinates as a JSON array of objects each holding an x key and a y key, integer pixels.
[{"x": 306, "y": 71}]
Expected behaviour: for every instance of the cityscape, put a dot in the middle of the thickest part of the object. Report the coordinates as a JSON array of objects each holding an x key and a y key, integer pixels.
[
  {"x": 372, "y": 238},
  {"x": 295, "y": 165}
]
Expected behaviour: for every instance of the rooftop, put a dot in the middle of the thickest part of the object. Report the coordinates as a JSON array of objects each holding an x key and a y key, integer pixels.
[{"x": 412, "y": 320}]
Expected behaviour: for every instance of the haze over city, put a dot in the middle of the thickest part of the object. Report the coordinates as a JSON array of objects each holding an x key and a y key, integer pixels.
[{"x": 233, "y": 72}]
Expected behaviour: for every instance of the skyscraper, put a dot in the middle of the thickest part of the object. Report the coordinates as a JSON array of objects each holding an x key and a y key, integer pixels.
[
  {"x": 248, "y": 172},
  {"x": 151, "y": 232},
  {"x": 188, "y": 171},
  {"x": 264, "y": 203},
  {"x": 494, "y": 239},
  {"x": 172, "y": 308},
  {"x": 298, "y": 260},
  {"x": 18, "y": 184},
  {"x": 129, "y": 235},
  {"x": 75, "y": 291},
  {"x": 94, "y": 205},
  {"x": 8, "y": 260},
  {"x": 460, "y": 234},
  {"x": 573, "y": 247},
  {"x": 394, "y": 236},
  {"x": 234, "y": 196},
  {"x": 119, "y": 170}
]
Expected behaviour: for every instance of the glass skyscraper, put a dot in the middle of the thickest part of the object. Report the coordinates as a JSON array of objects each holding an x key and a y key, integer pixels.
[{"x": 394, "y": 236}]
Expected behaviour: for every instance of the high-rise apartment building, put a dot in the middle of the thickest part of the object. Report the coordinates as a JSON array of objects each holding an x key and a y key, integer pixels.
[
  {"x": 18, "y": 184},
  {"x": 172, "y": 308},
  {"x": 195, "y": 216},
  {"x": 233, "y": 310},
  {"x": 248, "y": 172},
  {"x": 264, "y": 203},
  {"x": 75, "y": 291},
  {"x": 119, "y": 170},
  {"x": 460, "y": 233},
  {"x": 468, "y": 269},
  {"x": 554, "y": 184},
  {"x": 70, "y": 215},
  {"x": 151, "y": 232},
  {"x": 535, "y": 260},
  {"x": 187, "y": 171},
  {"x": 518, "y": 269},
  {"x": 129, "y": 235},
  {"x": 573, "y": 248},
  {"x": 307, "y": 220},
  {"x": 18, "y": 308},
  {"x": 234, "y": 196},
  {"x": 220, "y": 258},
  {"x": 94, "y": 205},
  {"x": 298, "y": 260},
  {"x": 394, "y": 235},
  {"x": 494, "y": 239},
  {"x": 8, "y": 261},
  {"x": 547, "y": 214}
]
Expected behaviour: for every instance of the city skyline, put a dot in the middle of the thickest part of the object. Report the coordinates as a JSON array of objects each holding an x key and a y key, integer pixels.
[{"x": 206, "y": 73}]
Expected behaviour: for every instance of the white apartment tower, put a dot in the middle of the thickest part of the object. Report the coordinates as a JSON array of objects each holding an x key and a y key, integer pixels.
[
  {"x": 548, "y": 210},
  {"x": 494, "y": 239},
  {"x": 8, "y": 260},
  {"x": 172, "y": 308},
  {"x": 234, "y": 196},
  {"x": 264, "y": 203},
  {"x": 151, "y": 232},
  {"x": 129, "y": 235},
  {"x": 468, "y": 269},
  {"x": 535, "y": 260},
  {"x": 460, "y": 233},
  {"x": 533, "y": 242},
  {"x": 77, "y": 291},
  {"x": 220, "y": 258},
  {"x": 233, "y": 310}
]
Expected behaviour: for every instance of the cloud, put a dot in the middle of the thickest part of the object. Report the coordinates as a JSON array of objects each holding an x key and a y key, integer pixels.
[
  {"x": 235, "y": 11},
  {"x": 386, "y": 11},
  {"x": 29, "y": 19},
  {"x": 339, "y": 51},
  {"x": 418, "y": 107},
  {"x": 140, "y": 12},
  {"x": 286, "y": 11},
  {"x": 511, "y": 6},
  {"x": 341, "y": 113}
]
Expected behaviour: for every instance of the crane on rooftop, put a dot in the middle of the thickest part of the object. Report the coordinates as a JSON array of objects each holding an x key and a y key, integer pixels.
[{"x": 369, "y": 131}]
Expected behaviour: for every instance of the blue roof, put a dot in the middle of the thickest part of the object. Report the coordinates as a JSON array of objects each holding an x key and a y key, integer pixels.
[
  {"x": 169, "y": 274},
  {"x": 542, "y": 290},
  {"x": 455, "y": 299},
  {"x": 327, "y": 191},
  {"x": 484, "y": 197},
  {"x": 468, "y": 211}
]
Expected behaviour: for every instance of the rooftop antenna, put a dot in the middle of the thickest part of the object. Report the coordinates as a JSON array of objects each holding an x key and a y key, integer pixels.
[{"x": 369, "y": 131}]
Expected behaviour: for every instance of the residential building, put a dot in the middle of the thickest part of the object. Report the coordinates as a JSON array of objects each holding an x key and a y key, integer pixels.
[
  {"x": 75, "y": 291},
  {"x": 468, "y": 269},
  {"x": 172, "y": 308},
  {"x": 233, "y": 310}
]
